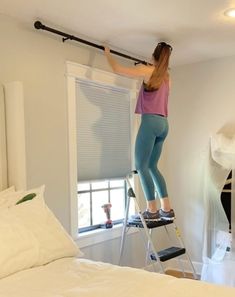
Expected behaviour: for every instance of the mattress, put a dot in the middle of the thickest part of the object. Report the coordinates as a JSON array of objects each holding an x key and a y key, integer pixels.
[{"x": 75, "y": 277}]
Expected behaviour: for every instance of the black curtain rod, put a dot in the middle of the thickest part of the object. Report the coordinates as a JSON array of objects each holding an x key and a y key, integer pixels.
[{"x": 38, "y": 25}]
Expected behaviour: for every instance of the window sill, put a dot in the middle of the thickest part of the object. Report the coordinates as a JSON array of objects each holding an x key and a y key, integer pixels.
[{"x": 101, "y": 235}]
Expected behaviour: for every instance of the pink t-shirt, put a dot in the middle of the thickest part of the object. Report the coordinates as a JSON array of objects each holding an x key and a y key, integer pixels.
[{"x": 153, "y": 102}]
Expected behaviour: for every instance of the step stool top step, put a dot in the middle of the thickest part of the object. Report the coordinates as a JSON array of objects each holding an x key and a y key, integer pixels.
[{"x": 150, "y": 224}]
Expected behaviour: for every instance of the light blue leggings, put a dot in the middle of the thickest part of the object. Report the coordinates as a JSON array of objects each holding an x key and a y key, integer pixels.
[{"x": 148, "y": 147}]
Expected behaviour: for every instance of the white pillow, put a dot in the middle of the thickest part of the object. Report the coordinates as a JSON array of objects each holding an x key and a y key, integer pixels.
[
  {"x": 10, "y": 198},
  {"x": 30, "y": 235},
  {"x": 18, "y": 247}
]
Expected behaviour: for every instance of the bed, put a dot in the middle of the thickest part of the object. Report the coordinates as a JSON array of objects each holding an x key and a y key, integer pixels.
[{"x": 39, "y": 258}]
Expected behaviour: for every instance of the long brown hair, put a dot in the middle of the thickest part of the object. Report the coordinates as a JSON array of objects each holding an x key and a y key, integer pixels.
[{"x": 161, "y": 57}]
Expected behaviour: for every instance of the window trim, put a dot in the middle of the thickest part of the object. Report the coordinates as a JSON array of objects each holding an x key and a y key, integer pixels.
[
  {"x": 97, "y": 236},
  {"x": 77, "y": 71}
]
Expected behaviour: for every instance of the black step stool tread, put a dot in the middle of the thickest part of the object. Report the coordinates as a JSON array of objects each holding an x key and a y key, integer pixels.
[
  {"x": 150, "y": 225},
  {"x": 168, "y": 253}
]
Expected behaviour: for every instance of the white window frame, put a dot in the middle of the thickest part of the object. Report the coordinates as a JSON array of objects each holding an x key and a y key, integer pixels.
[{"x": 77, "y": 71}]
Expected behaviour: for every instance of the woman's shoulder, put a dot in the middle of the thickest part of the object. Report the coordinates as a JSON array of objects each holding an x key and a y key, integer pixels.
[{"x": 148, "y": 72}]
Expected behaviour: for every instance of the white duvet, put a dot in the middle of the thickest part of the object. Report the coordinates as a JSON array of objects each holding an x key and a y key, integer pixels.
[{"x": 73, "y": 277}]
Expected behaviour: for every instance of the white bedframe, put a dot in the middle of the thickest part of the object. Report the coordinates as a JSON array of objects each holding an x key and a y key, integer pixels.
[
  {"x": 12, "y": 136},
  {"x": 3, "y": 158}
]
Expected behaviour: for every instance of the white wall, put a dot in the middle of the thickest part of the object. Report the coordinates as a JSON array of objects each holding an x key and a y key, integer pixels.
[
  {"x": 202, "y": 102},
  {"x": 38, "y": 59}
]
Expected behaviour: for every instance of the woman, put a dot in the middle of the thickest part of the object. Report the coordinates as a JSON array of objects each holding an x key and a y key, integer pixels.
[{"x": 152, "y": 104}]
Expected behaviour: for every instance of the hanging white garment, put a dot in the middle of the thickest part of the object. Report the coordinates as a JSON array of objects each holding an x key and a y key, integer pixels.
[{"x": 218, "y": 249}]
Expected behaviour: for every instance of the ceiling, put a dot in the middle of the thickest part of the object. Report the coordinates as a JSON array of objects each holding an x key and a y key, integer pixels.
[{"x": 197, "y": 29}]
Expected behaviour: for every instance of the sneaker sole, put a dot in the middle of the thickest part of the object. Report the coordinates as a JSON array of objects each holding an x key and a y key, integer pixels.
[
  {"x": 152, "y": 220},
  {"x": 146, "y": 220},
  {"x": 167, "y": 219}
]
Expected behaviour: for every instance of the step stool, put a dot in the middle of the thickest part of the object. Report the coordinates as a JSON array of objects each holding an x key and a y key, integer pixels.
[{"x": 156, "y": 257}]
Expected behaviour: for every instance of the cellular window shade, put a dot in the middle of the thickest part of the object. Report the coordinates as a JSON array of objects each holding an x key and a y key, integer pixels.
[{"x": 103, "y": 131}]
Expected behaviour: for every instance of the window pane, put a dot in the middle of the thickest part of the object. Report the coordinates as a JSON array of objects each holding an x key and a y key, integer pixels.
[
  {"x": 84, "y": 210},
  {"x": 117, "y": 183},
  {"x": 99, "y": 199},
  {"x": 117, "y": 198},
  {"x": 99, "y": 185},
  {"x": 83, "y": 186}
]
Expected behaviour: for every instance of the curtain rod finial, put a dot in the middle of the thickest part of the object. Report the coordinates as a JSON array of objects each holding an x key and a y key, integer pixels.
[{"x": 38, "y": 25}]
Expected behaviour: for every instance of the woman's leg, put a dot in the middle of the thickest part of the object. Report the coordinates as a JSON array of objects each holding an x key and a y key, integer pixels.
[
  {"x": 143, "y": 149},
  {"x": 157, "y": 177}
]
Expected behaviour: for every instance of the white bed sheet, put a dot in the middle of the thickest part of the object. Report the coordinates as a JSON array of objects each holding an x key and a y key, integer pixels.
[{"x": 73, "y": 277}]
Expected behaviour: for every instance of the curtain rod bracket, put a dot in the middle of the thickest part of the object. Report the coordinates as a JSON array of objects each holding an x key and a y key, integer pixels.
[{"x": 67, "y": 38}]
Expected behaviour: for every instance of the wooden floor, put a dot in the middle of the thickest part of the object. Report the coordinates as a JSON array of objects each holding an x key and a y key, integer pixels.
[{"x": 179, "y": 274}]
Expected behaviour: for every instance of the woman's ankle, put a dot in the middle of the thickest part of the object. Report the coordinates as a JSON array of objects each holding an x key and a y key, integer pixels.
[
  {"x": 165, "y": 204},
  {"x": 152, "y": 206}
]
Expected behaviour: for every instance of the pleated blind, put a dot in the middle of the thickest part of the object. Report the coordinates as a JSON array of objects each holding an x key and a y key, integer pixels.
[{"x": 103, "y": 131}]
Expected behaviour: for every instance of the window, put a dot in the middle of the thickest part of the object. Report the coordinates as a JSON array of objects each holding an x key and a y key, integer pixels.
[
  {"x": 100, "y": 122},
  {"x": 103, "y": 131},
  {"x": 93, "y": 195}
]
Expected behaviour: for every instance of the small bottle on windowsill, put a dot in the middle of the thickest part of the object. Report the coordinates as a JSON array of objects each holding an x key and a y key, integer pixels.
[{"x": 107, "y": 210}]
